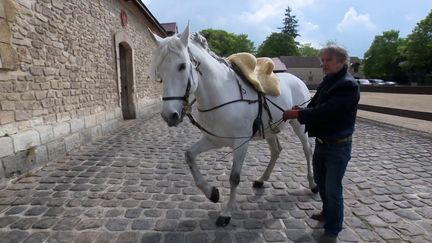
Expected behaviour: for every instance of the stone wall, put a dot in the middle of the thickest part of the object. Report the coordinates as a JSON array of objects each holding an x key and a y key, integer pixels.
[
  {"x": 308, "y": 75},
  {"x": 59, "y": 84}
]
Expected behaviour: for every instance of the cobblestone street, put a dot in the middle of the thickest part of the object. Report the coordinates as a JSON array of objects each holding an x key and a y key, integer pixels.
[{"x": 134, "y": 186}]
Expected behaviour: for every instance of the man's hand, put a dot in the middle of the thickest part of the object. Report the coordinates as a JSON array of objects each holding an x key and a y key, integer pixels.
[{"x": 291, "y": 114}]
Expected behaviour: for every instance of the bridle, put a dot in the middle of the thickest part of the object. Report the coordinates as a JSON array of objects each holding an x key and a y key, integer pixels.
[{"x": 187, "y": 108}]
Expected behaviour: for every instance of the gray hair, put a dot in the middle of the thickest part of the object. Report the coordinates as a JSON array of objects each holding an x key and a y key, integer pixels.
[{"x": 337, "y": 51}]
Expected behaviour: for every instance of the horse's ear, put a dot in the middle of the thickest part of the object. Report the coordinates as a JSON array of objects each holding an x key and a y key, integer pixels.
[
  {"x": 184, "y": 37},
  {"x": 157, "y": 38}
]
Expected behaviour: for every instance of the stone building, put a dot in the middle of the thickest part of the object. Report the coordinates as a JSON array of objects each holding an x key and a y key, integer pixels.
[
  {"x": 307, "y": 69},
  {"x": 70, "y": 71}
]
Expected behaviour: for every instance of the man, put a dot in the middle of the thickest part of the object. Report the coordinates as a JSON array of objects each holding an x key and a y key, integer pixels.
[{"x": 330, "y": 117}]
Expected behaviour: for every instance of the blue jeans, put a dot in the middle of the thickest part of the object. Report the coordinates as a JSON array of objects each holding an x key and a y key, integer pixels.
[{"x": 329, "y": 165}]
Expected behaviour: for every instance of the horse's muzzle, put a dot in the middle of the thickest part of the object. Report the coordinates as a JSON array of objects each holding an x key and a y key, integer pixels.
[{"x": 172, "y": 119}]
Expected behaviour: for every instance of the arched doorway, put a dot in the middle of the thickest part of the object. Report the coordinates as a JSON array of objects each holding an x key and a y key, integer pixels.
[
  {"x": 126, "y": 81},
  {"x": 125, "y": 75}
]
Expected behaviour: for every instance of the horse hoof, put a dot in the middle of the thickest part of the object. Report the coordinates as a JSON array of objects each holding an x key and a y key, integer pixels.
[
  {"x": 314, "y": 189},
  {"x": 214, "y": 197},
  {"x": 258, "y": 184},
  {"x": 223, "y": 221}
]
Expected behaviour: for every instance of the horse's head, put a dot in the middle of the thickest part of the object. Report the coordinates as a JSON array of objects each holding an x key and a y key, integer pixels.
[{"x": 171, "y": 65}]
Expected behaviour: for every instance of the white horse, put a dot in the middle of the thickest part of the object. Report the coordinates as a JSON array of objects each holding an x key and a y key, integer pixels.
[{"x": 186, "y": 66}]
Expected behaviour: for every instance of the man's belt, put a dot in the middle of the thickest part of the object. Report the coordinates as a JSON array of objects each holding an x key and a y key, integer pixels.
[{"x": 333, "y": 141}]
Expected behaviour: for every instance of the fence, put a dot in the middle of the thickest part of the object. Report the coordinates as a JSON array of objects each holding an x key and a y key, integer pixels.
[{"x": 423, "y": 90}]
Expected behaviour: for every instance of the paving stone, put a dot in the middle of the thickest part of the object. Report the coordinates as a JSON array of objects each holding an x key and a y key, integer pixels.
[
  {"x": 173, "y": 214},
  {"x": 248, "y": 237},
  {"x": 116, "y": 224},
  {"x": 44, "y": 223},
  {"x": 54, "y": 212},
  {"x": 166, "y": 225},
  {"x": 252, "y": 224},
  {"x": 274, "y": 236},
  {"x": 197, "y": 237},
  {"x": 293, "y": 224},
  {"x": 23, "y": 223},
  {"x": 34, "y": 211},
  {"x": 128, "y": 237},
  {"x": 367, "y": 235},
  {"x": 37, "y": 237},
  {"x": 13, "y": 236},
  {"x": 66, "y": 224},
  {"x": 71, "y": 212},
  {"x": 347, "y": 235},
  {"x": 86, "y": 237},
  {"x": 298, "y": 235},
  {"x": 86, "y": 224},
  {"x": 174, "y": 238},
  {"x": 408, "y": 229},
  {"x": 105, "y": 237},
  {"x": 387, "y": 234},
  {"x": 151, "y": 238},
  {"x": 114, "y": 212},
  {"x": 153, "y": 213},
  {"x": 374, "y": 221},
  {"x": 62, "y": 237},
  {"x": 208, "y": 224},
  {"x": 6, "y": 220},
  {"x": 133, "y": 213},
  {"x": 408, "y": 214},
  {"x": 273, "y": 224},
  {"x": 142, "y": 224},
  {"x": 389, "y": 217}
]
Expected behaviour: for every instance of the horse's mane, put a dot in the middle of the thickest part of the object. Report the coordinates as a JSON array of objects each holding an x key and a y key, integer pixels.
[
  {"x": 173, "y": 45},
  {"x": 202, "y": 41}
]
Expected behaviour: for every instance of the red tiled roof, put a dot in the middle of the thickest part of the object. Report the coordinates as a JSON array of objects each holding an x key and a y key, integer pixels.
[
  {"x": 300, "y": 62},
  {"x": 279, "y": 65},
  {"x": 170, "y": 28}
]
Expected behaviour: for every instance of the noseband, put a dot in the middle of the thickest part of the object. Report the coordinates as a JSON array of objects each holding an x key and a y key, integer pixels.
[{"x": 185, "y": 98}]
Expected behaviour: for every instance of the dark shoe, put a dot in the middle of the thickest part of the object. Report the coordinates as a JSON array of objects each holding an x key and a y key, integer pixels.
[
  {"x": 318, "y": 216},
  {"x": 328, "y": 239}
]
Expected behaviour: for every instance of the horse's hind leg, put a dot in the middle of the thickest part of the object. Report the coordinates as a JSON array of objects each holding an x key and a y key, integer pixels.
[
  {"x": 275, "y": 149},
  {"x": 202, "y": 145},
  {"x": 239, "y": 155},
  {"x": 307, "y": 149}
]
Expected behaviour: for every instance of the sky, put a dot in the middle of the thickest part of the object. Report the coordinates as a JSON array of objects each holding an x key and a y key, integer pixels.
[{"x": 351, "y": 23}]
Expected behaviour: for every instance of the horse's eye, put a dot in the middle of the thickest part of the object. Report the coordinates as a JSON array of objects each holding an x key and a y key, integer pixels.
[{"x": 182, "y": 67}]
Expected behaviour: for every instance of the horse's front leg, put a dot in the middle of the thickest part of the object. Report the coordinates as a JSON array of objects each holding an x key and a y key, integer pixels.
[
  {"x": 239, "y": 156},
  {"x": 211, "y": 192},
  {"x": 307, "y": 149}
]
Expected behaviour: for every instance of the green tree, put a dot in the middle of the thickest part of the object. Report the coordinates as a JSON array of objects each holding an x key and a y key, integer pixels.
[
  {"x": 289, "y": 24},
  {"x": 382, "y": 59},
  {"x": 307, "y": 50},
  {"x": 417, "y": 49},
  {"x": 224, "y": 43},
  {"x": 278, "y": 44}
]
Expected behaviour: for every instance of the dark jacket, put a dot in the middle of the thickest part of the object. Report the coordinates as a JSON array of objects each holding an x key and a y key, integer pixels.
[{"x": 331, "y": 113}]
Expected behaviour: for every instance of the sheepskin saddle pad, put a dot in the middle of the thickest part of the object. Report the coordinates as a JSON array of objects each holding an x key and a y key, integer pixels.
[{"x": 258, "y": 71}]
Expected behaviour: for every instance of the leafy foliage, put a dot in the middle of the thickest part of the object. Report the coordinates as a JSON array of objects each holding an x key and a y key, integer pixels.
[
  {"x": 382, "y": 58},
  {"x": 224, "y": 44},
  {"x": 278, "y": 44},
  {"x": 290, "y": 24},
  {"x": 417, "y": 49},
  {"x": 307, "y": 50}
]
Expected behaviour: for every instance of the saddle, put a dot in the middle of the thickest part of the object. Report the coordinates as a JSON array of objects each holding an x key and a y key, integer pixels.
[{"x": 258, "y": 71}]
